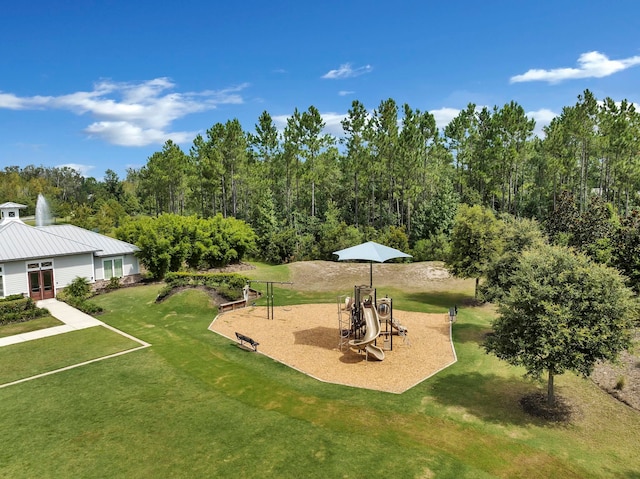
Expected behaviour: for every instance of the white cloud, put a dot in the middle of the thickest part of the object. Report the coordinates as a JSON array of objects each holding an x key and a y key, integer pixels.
[
  {"x": 542, "y": 117},
  {"x": 82, "y": 169},
  {"x": 332, "y": 122},
  {"x": 590, "y": 65},
  {"x": 444, "y": 116},
  {"x": 345, "y": 92},
  {"x": 346, "y": 71},
  {"x": 636, "y": 106},
  {"x": 131, "y": 114},
  {"x": 11, "y": 102},
  {"x": 125, "y": 133},
  {"x": 280, "y": 121}
]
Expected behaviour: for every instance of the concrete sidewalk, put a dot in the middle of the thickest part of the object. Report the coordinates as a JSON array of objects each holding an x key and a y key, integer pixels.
[{"x": 72, "y": 318}]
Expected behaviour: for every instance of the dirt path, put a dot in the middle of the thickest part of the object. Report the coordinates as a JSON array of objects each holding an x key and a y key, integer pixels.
[{"x": 412, "y": 277}]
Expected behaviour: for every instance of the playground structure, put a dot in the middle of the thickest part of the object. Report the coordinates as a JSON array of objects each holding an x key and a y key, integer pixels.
[{"x": 360, "y": 322}]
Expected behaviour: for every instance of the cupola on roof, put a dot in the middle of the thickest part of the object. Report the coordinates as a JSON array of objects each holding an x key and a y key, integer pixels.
[{"x": 10, "y": 212}]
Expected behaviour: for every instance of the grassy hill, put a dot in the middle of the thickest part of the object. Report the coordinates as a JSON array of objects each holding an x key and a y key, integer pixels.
[{"x": 194, "y": 405}]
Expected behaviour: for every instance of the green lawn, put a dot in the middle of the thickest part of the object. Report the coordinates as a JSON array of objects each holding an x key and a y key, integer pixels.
[
  {"x": 27, "y": 326},
  {"x": 194, "y": 405},
  {"x": 23, "y": 360}
]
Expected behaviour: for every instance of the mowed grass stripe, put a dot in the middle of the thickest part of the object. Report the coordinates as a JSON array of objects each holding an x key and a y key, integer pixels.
[
  {"x": 23, "y": 360},
  {"x": 28, "y": 326}
]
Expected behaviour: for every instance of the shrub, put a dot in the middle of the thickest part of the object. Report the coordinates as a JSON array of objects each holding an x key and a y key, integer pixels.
[
  {"x": 11, "y": 297},
  {"x": 16, "y": 306},
  {"x": 17, "y": 309},
  {"x": 431, "y": 249},
  {"x": 79, "y": 288},
  {"x": 228, "y": 285},
  {"x": 170, "y": 242},
  {"x": 114, "y": 283},
  {"x": 232, "y": 294},
  {"x": 82, "y": 304}
]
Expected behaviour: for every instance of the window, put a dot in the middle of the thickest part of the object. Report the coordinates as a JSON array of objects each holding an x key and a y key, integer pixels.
[
  {"x": 112, "y": 268},
  {"x": 47, "y": 264},
  {"x": 1, "y": 283}
]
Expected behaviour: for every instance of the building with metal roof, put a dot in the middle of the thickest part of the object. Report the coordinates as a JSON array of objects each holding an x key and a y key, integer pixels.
[{"x": 38, "y": 261}]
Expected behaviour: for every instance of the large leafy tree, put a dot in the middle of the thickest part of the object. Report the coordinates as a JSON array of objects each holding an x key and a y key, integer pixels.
[
  {"x": 112, "y": 185},
  {"x": 518, "y": 234},
  {"x": 171, "y": 242},
  {"x": 594, "y": 231},
  {"x": 563, "y": 313},
  {"x": 591, "y": 231},
  {"x": 626, "y": 247},
  {"x": 435, "y": 215},
  {"x": 475, "y": 242},
  {"x": 562, "y": 220}
]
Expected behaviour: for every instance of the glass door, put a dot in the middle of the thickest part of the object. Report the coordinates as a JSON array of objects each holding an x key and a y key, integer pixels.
[
  {"x": 46, "y": 279},
  {"x": 41, "y": 284},
  {"x": 34, "y": 285}
]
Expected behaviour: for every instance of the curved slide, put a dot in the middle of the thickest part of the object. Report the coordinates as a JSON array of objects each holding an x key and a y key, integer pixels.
[
  {"x": 375, "y": 351},
  {"x": 372, "y": 325}
]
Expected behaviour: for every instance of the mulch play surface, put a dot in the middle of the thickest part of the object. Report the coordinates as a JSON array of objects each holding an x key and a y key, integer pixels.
[{"x": 306, "y": 337}]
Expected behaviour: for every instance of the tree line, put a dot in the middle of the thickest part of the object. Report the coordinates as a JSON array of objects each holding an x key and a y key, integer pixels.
[{"x": 392, "y": 172}]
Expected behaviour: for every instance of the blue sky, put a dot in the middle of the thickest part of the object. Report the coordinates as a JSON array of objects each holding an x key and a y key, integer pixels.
[{"x": 103, "y": 84}]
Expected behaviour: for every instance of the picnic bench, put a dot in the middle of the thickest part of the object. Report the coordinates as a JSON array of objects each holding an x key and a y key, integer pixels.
[{"x": 246, "y": 339}]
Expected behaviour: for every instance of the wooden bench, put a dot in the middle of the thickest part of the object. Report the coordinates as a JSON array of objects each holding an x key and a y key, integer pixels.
[
  {"x": 246, "y": 339},
  {"x": 232, "y": 305}
]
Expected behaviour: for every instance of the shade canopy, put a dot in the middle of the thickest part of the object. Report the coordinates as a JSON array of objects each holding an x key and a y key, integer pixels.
[{"x": 370, "y": 251}]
